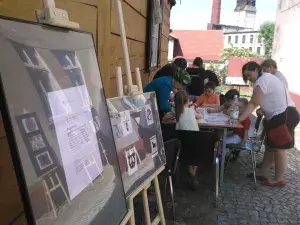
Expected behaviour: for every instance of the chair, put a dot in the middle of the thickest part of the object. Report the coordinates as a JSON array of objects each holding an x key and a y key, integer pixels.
[
  {"x": 172, "y": 150},
  {"x": 216, "y": 163},
  {"x": 253, "y": 145},
  {"x": 196, "y": 146}
]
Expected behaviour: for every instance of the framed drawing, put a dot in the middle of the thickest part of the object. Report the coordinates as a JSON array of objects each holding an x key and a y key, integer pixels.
[
  {"x": 140, "y": 151},
  {"x": 56, "y": 118}
]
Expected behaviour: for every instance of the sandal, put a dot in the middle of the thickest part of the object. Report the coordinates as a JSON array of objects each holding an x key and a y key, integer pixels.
[
  {"x": 281, "y": 183},
  {"x": 258, "y": 177}
]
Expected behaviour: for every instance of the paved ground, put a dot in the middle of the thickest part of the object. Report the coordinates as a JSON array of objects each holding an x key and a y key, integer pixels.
[{"x": 240, "y": 203}]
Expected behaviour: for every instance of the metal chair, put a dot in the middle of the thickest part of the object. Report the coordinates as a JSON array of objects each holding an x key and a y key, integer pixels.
[
  {"x": 172, "y": 150},
  {"x": 216, "y": 164},
  {"x": 253, "y": 145}
]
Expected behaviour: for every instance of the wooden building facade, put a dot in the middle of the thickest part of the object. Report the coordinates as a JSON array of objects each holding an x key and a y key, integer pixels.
[{"x": 148, "y": 50}]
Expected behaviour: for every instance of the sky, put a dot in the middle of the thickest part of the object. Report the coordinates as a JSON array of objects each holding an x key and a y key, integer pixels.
[{"x": 195, "y": 14}]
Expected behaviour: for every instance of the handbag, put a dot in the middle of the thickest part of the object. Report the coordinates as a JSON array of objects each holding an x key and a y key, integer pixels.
[{"x": 281, "y": 135}]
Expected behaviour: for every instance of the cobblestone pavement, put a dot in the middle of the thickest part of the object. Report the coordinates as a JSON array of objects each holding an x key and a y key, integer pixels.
[{"x": 239, "y": 202}]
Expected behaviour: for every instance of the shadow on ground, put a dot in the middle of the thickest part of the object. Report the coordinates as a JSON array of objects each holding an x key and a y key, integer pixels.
[{"x": 240, "y": 202}]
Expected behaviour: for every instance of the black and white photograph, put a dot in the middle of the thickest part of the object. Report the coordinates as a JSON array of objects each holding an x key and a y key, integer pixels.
[
  {"x": 149, "y": 115},
  {"x": 37, "y": 142},
  {"x": 132, "y": 161},
  {"x": 30, "y": 125},
  {"x": 154, "y": 148},
  {"x": 146, "y": 137},
  {"x": 42, "y": 64},
  {"x": 44, "y": 160}
]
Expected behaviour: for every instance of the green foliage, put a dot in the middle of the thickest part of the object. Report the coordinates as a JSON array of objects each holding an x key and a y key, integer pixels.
[
  {"x": 237, "y": 52},
  {"x": 220, "y": 70},
  {"x": 266, "y": 33}
]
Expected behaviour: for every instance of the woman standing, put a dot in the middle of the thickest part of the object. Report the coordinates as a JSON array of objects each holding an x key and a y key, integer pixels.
[
  {"x": 164, "y": 85},
  {"x": 282, "y": 117}
]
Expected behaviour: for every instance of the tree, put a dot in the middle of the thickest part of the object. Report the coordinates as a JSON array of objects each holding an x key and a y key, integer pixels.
[
  {"x": 221, "y": 68},
  {"x": 266, "y": 34},
  {"x": 237, "y": 52}
]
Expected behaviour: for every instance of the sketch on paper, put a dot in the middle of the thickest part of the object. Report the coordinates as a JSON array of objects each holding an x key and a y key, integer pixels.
[
  {"x": 126, "y": 123},
  {"x": 132, "y": 161},
  {"x": 149, "y": 115},
  {"x": 154, "y": 148},
  {"x": 29, "y": 124},
  {"x": 44, "y": 160},
  {"x": 37, "y": 142}
]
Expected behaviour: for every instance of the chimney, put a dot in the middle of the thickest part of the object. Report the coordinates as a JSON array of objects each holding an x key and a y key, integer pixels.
[{"x": 215, "y": 14}]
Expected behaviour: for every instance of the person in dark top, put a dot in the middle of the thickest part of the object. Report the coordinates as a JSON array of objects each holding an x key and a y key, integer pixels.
[
  {"x": 200, "y": 77},
  {"x": 170, "y": 68}
]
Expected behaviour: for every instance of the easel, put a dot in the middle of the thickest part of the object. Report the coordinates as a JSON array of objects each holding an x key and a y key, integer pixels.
[
  {"x": 60, "y": 18},
  {"x": 133, "y": 90},
  {"x": 53, "y": 188}
]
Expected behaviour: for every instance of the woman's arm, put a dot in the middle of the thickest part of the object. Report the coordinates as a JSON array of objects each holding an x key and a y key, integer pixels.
[{"x": 254, "y": 102}]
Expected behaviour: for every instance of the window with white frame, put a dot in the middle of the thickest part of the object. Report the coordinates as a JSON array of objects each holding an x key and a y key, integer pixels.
[
  {"x": 244, "y": 39},
  {"x": 155, "y": 32},
  {"x": 258, "y": 50},
  {"x": 251, "y": 39},
  {"x": 236, "y": 39}
]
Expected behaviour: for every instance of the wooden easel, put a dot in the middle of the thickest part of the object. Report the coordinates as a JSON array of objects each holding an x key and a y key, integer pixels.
[
  {"x": 160, "y": 218},
  {"x": 54, "y": 187},
  {"x": 59, "y": 17},
  {"x": 134, "y": 90}
]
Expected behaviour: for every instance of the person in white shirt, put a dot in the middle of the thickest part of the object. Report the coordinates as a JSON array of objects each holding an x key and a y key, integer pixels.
[
  {"x": 273, "y": 97},
  {"x": 186, "y": 120},
  {"x": 270, "y": 66}
]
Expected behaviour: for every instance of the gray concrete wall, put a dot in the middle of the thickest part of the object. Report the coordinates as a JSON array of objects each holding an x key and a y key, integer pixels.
[{"x": 286, "y": 46}]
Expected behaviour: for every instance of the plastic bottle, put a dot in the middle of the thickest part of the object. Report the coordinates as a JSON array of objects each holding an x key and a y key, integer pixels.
[{"x": 234, "y": 111}]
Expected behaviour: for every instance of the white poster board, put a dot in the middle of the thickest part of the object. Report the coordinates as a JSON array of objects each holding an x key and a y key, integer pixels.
[{"x": 76, "y": 137}]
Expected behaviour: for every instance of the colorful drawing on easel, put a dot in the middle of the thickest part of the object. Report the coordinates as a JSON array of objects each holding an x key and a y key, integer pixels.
[
  {"x": 149, "y": 115},
  {"x": 132, "y": 161},
  {"x": 154, "y": 148},
  {"x": 126, "y": 123}
]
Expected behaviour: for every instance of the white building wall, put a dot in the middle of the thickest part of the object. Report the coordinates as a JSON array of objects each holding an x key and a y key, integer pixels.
[
  {"x": 171, "y": 49},
  {"x": 255, "y": 46},
  {"x": 286, "y": 46}
]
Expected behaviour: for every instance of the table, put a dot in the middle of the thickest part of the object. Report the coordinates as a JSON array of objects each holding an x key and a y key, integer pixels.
[{"x": 217, "y": 126}]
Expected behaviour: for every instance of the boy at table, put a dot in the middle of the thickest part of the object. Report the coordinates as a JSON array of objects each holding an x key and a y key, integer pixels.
[
  {"x": 209, "y": 97},
  {"x": 229, "y": 99},
  {"x": 240, "y": 135}
]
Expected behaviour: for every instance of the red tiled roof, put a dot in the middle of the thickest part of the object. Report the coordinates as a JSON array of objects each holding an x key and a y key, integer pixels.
[
  {"x": 207, "y": 44},
  {"x": 235, "y": 65}
]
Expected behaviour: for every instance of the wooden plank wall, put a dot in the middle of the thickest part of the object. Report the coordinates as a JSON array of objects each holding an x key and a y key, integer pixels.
[
  {"x": 135, "y": 18},
  {"x": 100, "y": 18}
]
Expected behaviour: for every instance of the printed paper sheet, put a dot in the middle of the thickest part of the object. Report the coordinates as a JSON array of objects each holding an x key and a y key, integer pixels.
[{"x": 76, "y": 137}]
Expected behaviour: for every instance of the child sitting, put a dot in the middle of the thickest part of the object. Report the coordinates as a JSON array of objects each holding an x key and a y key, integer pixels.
[
  {"x": 186, "y": 120},
  {"x": 209, "y": 97},
  {"x": 185, "y": 116},
  {"x": 229, "y": 99},
  {"x": 240, "y": 135}
]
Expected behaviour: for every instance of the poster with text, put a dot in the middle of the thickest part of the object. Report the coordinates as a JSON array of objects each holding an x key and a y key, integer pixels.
[
  {"x": 55, "y": 112},
  {"x": 76, "y": 137},
  {"x": 141, "y": 113}
]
